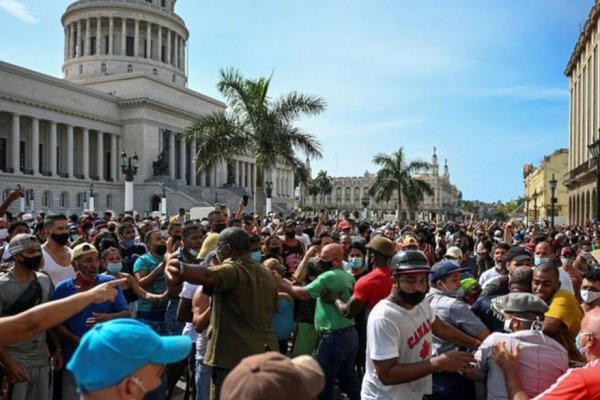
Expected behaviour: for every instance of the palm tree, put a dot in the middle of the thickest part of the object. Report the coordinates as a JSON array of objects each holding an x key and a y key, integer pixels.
[
  {"x": 321, "y": 185},
  {"x": 256, "y": 125},
  {"x": 395, "y": 177}
]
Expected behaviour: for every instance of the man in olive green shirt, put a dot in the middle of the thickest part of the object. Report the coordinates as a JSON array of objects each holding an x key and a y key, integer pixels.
[
  {"x": 339, "y": 340},
  {"x": 244, "y": 300}
]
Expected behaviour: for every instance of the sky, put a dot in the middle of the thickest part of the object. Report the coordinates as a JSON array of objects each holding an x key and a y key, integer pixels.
[{"x": 482, "y": 81}]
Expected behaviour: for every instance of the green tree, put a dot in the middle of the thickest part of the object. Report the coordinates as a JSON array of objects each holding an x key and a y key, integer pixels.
[
  {"x": 321, "y": 185},
  {"x": 396, "y": 176},
  {"x": 256, "y": 125}
]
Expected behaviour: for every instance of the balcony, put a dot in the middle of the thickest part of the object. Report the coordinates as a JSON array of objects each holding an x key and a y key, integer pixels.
[{"x": 582, "y": 168}]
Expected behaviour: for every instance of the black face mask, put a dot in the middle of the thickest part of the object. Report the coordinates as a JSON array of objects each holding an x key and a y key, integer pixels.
[
  {"x": 32, "y": 263},
  {"x": 290, "y": 234},
  {"x": 161, "y": 249},
  {"x": 219, "y": 228},
  {"x": 176, "y": 238},
  {"x": 411, "y": 298},
  {"x": 60, "y": 238},
  {"x": 274, "y": 250},
  {"x": 326, "y": 265}
]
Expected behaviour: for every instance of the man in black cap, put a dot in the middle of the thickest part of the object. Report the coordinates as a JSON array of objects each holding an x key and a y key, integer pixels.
[
  {"x": 542, "y": 359},
  {"x": 399, "y": 336}
]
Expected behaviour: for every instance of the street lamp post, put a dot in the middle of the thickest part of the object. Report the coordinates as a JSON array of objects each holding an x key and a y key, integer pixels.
[
  {"x": 163, "y": 202},
  {"x": 365, "y": 203},
  {"x": 269, "y": 193},
  {"x": 92, "y": 198},
  {"x": 129, "y": 167},
  {"x": 594, "y": 149},
  {"x": 535, "y": 197},
  {"x": 553, "y": 182}
]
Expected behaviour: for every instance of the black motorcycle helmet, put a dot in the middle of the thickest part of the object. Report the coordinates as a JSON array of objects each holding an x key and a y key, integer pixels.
[{"x": 409, "y": 261}]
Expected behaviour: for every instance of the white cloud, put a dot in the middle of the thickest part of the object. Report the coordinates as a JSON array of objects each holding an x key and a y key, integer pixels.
[{"x": 19, "y": 10}]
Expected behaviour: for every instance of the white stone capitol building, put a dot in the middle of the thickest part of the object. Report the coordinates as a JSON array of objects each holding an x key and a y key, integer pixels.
[{"x": 124, "y": 90}]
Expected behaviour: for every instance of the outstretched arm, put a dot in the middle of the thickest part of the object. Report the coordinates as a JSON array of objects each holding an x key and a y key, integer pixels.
[{"x": 43, "y": 317}]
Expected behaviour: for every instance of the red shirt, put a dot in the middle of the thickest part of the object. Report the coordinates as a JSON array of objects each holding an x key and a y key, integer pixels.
[
  {"x": 576, "y": 384},
  {"x": 374, "y": 286}
]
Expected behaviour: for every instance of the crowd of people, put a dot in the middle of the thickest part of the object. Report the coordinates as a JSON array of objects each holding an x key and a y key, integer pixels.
[{"x": 300, "y": 306}]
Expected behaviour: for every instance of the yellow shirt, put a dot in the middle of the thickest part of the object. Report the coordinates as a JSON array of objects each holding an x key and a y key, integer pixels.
[{"x": 564, "y": 307}]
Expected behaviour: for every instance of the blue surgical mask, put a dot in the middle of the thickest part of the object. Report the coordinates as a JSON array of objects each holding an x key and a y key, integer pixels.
[
  {"x": 355, "y": 262},
  {"x": 128, "y": 243},
  {"x": 579, "y": 348},
  {"x": 540, "y": 260},
  {"x": 114, "y": 268},
  {"x": 565, "y": 261},
  {"x": 256, "y": 255}
]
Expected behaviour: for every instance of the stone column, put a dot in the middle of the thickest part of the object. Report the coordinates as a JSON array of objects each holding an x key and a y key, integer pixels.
[
  {"x": 182, "y": 54},
  {"x": 15, "y": 142},
  {"x": 86, "y": 153},
  {"x": 99, "y": 36},
  {"x": 78, "y": 49},
  {"x": 86, "y": 44},
  {"x": 70, "y": 151},
  {"x": 66, "y": 44},
  {"x": 172, "y": 155},
  {"x": 168, "y": 46},
  {"x": 136, "y": 38},
  {"x": 114, "y": 157},
  {"x": 100, "y": 155},
  {"x": 176, "y": 63},
  {"x": 243, "y": 177},
  {"x": 71, "y": 39},
  {"x": 148, "y": 40},
  {"x": 193, "y": 180},
  {"x": 182, "y": 158},
  {"x": 35, "y": 145},
  {"x": 159, "y": 52},
  {"x": 52, "y": 150},
  {"x": 237, "y": 172},
  {"x": 111, "y": 27},
  {"x": 124, "y": 36}
]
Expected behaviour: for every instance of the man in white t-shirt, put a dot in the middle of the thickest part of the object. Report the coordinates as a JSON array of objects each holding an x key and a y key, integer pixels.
[
  {"x": 500, "y": 251},
  {"x": 399, "y": 336}
]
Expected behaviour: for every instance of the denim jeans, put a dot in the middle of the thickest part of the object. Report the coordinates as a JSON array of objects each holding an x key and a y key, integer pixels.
[
  {"x": 203, "y": 374},
  {"x": 174, "y": 327},
  {"x": 336, "y": 355}
]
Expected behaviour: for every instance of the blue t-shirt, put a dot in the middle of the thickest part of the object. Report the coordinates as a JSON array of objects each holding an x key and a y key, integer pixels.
[
  {"x": 76, "y": 324},
  {"x": 283, "y": 320}
]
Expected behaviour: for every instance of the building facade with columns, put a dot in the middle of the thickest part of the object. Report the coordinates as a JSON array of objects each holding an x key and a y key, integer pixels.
[
  {"x": 352, "y": 193},
  {"x": 124, "y": 90},
  {"x": 584, "y": 120}
]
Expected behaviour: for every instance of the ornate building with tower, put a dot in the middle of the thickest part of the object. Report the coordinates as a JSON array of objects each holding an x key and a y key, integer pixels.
[
  {"x": 124, "y": 91},
  {"x": 351, "y": 194}
]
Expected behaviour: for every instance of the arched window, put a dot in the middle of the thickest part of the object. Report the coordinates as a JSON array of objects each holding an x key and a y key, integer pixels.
[
  {"x": 129, "y": 68},
  {"x": 154, "y": 71},
  {"x": 47, "y": 199},
  {"x": 81, "y": 69},
  {"x": 80, "y": 199},
  {"x": 103, "y": 68},
  {"x": 64, "y": 200}
]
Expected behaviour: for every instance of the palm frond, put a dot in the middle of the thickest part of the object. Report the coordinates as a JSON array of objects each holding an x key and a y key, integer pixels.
[{"x": 294, "y": 105}]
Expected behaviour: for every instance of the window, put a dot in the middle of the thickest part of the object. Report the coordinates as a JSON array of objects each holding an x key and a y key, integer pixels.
[
  {"x": 81, "y": 69},
  {"x": 64, "y": 200},
  {"x": 106, "y": 44},
  {"x": 80, "y": 200},
  {"x": 47, "y": 199},
  {"x": 129, "y": 42},
  {"x": 129, "y": 68},
  {"x": 108, "y": 201},
  {"x": 163, "y": 3},
  {"x": 103, "y": 68},
  {"x": 92, "y": 45},
  {"x": 154, "y": 71},
  {"x": 173, "y": 78}
]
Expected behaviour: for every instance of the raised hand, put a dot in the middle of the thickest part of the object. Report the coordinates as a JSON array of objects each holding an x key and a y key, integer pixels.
[{"x": 106, "y": 291}]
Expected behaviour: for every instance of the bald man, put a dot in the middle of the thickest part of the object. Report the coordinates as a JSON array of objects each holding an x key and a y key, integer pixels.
[
  {"x": 339, "y": 339},
  {"x": 576, "y": 383},
  {"x": 544, "y": 253}
]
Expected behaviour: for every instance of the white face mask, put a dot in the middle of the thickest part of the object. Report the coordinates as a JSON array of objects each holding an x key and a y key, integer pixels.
[
  {"x": 507, "y": 324},
  {"x": 589, "y": 296}
]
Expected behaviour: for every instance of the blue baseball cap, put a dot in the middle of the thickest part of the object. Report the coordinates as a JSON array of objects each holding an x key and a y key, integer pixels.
[
  {"x": 443, "y": 269},
  {"x": 110, "y": 352}
]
